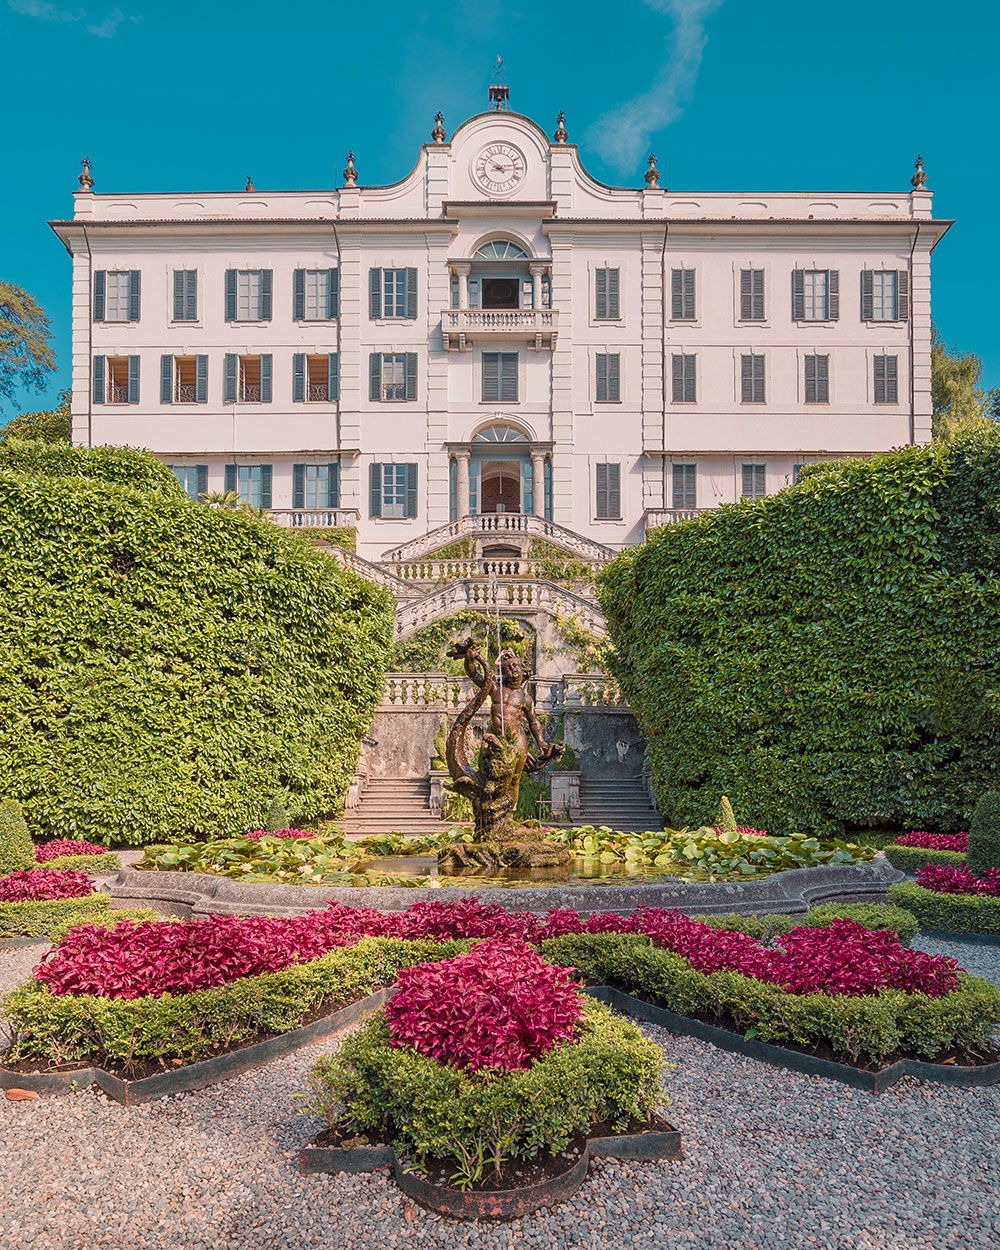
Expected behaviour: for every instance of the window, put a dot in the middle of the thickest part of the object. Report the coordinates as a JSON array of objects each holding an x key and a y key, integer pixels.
[
  {"x": 192, "y": 477},
  {"x": 315, "y": 379},
  {"x": 500, "y": 249},
  {"x": 392, "y": 377},
  {"x": 608, "y": 481},
  {"x": 116, "y": 379},
  {"x": 248, "y": 294},
  {"x": 817, "y": 379},
  {"x": 754, "y": 481},
  {"x": 796, "y": 472},
  {"x": 183, "y": 379},
  {"x": 116, "y": 295},
  {"x": 885, "y": 294},
  {"x": 185, "y": 295},
  {"x": 609, "y": 386},
  {"x": 392, "y": 293},
  {"x": 685, "y": 486},
  {"x": 607, "y": 304},
  {"x": 315, "y": 294},
  {"x": 751, "y": 294},
  {"x": 252, "y": 482},
  {"x": 248, "y": 380},
  {"x": 752, "y": 386},
  {"x": 500, "y": 377},
  {"x": 316, "y": 485},
  {"x": 886, "y": 380},
  {"x": 815, "y": 295},
  {"x": 393, "y": 490},
  {"x": 684, "y": 379},
  {"x": 682, "y": 294}
]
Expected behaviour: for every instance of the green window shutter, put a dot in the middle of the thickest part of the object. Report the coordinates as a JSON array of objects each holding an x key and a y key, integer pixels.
[
  {"x": 689, "y": 384},
  {"x": 375, "y": 490},
  {"x": 265, "y": 485},
  {"x": 266, "y": 291},
  {"x": 746, "y": 294},
  {"x": 134, "y": 282},
  {"x": 231, "y": 372},
  {"x": 98, "y": 380},
  {"x": 265, "y": 379},
  {"x": 798, "y": 295},
  {"x": 614, "y": 378},
  {"x": 508, "y": 377},
  {"x": 180, "y": 288},
  {"x": 677, "y": 378},
  {"x": 411, "y": 296},
  {"x": 191, "y": 295},
  {"x": 201, "y": 475},
  {"x": 411, "y": 490},
  {"x": 601, "y": 483},
  {"x": 298, "y": 380},
  {"x": 601, "y": 393},
  {"x": 166, "y": 379},
  {"x": 614, "y": 301},
  {"x": 491, "y": 377},
  {"x": 411, "y": 380},
  {"x": 682, "y": 295},
  {"x": 375, "y": 382},
  {"x": 298, "y": 485},
  {"x": 133, "y": 379},
  {"x": 231, "y": 296},
  {"x": 298, "y": 294},
  {"x": 833, "y": 294},
  {"x": 333, "y": 375},
  {"x": 375, "y": 297},
  {"x": 746, "y": 379},
  {"x": 867, "y": 295},
  {"x": 333, "y": 293},
  {"x": 902, "y": 295},
  {"x": 810, "y": 380},
  {"x": 201, "y": 380},
  {"x": 100, "y": 287},
  {"x": 230, "y": 484},
  {"x": 892, "y": 379},
  {"x": 333, "y": 485},
  {"x": 822, "y": 379},
  {"x": 601, "y": 294}
]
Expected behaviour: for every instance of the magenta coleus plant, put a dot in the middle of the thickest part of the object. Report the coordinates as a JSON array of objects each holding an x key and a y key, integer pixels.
[
  {"x": 500, "y": 1006},
  {"x": 257, "y": 834},
  {"x": 39, "y": 885},
  {"x": 936, "y": 841},
  {"x": 959, "y": 881},
  {"x": 65, "y": 846}
]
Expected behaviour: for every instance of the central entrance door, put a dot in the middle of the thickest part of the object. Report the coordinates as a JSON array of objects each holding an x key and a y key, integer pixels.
[{"x": 500, "y": 484}]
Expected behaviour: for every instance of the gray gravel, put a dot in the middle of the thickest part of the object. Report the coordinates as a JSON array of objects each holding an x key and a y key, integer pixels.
[{"x": 773, "y": 1161}]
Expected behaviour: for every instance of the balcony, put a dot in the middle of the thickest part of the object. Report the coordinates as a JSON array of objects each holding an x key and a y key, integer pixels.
[
  {"x": 462, "y": 327},
  {"x": 315, "y": 518},
  {"x": 655, "y": 517}
]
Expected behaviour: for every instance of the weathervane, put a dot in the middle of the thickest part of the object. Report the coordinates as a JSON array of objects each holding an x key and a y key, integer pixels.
[
  {"x": 919, "y": 179},
  {"x": 438, "y": 133},
  {"x": 499, "y": 93},
  {"x": 350, "y": 172},
  {"x": 85, "y": 180}
]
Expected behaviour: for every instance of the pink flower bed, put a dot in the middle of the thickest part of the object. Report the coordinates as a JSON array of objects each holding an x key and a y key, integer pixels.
[
  {"x": 959, "y": 881},
  {"x": 936, "y": 841},
  {"x": 257, "y": 834},
  {"x": 500, "y": 1006},
  {"x": 133, "y": 960},
  {"x": 751, "y": 833},
  {"x": 64, "y": 846},
  {"x": 39, "y": 885}
]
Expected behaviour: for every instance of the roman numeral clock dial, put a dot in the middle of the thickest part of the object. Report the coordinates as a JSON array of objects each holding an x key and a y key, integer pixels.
[{"x": 499, "y": 168}]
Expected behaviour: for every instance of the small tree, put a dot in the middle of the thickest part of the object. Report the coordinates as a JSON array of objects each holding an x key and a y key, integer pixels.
[
  {"x": 956, "y": 395},
  {"x": 53, "y": 426},
  {"x": 17, "y": 851},
  {"x": 727, "y": 817},
  {"x": 277, "y": 816},
  {"x": 984, "y": 833},
  {"x": 26, "y": 355}
]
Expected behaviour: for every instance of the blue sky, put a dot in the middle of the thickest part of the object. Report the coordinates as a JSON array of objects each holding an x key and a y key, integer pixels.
[{"x": 731, "y": 94}]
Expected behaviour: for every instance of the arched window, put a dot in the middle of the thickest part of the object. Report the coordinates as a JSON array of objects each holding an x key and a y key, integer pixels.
[
  {"x": 500, "y": 249},
  {"x": 499, "y": 434}
]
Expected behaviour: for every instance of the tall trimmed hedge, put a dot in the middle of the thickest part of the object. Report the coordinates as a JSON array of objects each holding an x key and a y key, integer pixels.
[
  {"x": 827, "y": 657},
  {"x": 167, "y": 667}
]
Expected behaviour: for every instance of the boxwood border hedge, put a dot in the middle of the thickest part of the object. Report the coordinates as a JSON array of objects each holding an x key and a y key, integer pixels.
[
  {"x": 953, "y": 913},
  {"x": 912, "y": 858}
]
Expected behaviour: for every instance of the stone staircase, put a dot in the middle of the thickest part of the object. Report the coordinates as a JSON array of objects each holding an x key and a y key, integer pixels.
[
  {"x": 393, "y": 805},
  {"x": 621, "y": 802}
]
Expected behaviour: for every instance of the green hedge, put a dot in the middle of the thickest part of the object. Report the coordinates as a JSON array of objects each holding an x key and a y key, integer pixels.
[
  {"x": 44, "y": 918},
  {"x": 984, "y": 833},
  {"x": 826, "y": 657},
  {"x": 611, "y": 1072},
  {"x": 871, "y": 915},
  {"x": 913, "y": 858},
  {"x": 956, "y": 913},
  {"x": 17, "y": 851},
  {"x": 96, "y": 865},
  {"x": 862, "y": 1028},
  {"x": 70, "y": 1028},
  {"x": 181, "y": 664},
  {"x": 107, "y": 920}
]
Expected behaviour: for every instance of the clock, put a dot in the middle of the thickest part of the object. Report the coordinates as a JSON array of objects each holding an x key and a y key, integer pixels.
[{"x": 499, "y": 168}]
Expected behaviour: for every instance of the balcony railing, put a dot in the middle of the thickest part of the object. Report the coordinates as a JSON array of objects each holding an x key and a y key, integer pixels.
[
  {"x": 318, "y": 393},
  {"x": 185, "y": 394},
  {"x": 117, "y": 394},
  {"x": 463, "y": 326},
  {"x": 315, "y": 518},
  {"x": 655, "y": 517},
  {"x": 249, "y": 394}
]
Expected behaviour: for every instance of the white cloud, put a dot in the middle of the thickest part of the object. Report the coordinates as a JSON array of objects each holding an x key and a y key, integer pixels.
[
  {"x": 108, "y": 28},
  {"x": 47, "y": 12},
  {"x": 623, "y": 135}
]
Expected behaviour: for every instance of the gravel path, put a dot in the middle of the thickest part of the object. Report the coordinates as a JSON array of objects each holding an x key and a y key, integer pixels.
[{"x": 773, "y": 1161}]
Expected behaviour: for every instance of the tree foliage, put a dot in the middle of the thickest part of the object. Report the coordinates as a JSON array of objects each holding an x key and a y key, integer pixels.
[
  {"x": 958, "y": 400},
  {"x": 167, "y": 668},
  {"x": 54, "y": 426},
  {"x": 827, "y": 657},
  {"x": 26, "y": 356}
]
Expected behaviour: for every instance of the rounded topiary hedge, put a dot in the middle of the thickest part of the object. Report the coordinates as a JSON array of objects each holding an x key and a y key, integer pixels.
[
  {"x": 913, "y": 858},
  {"x": 826, "y": 657},
  {"x": 17, "y": 851},
  {"x": 953, "y": 913},
  {"x": 984, "y": 833},
  {"x": 180, "y": 664}
]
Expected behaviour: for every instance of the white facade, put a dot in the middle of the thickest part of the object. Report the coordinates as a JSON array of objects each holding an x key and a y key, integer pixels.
[{"x": 516, "y": 340}]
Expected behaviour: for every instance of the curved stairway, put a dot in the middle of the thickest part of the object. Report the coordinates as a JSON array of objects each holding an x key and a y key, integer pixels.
[{"x": 394, "y": 805}]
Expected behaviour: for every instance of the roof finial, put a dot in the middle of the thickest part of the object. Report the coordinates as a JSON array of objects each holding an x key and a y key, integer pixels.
[
  {"x": 85, "y": 180},
  {"x": 438, "y": 134},
  {"x": 652, "y": 174},
  {"x": 350, "y": 173},
  {"x": 249, "y": 186},
  {"x": 561, "y": 134},
  {"x": 499, "y": 93},
  {"x": 919, "y": 179}
]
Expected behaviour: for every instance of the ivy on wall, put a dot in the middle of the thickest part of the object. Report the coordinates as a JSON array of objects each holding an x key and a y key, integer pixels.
[
  {"x": 425, "y": 651},
  {"x": 167, "y": 668},
  {"x": 827, "y": 657}
]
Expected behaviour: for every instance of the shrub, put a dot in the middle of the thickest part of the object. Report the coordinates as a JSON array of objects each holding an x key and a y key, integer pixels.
[
  {"x": 872, "y": 916},
  {"x": 959, "y": 881},
  {"x": 86, "y": 1028},
  {"x": 93, "y": 865},
  {"x": 827, "y": 656},
  {"x": 984, "y": 833},
  {"x": 727, "y": 819},
  {"x": 500, "y": 1006},
  {"x": 63, "y": 847},
  {"x": 181, "y": 664},
  {"x": 16, "y": 849},
  {"x": 434, "y": 1111},
  {"x": 913, "y": 858},
  {"x": 954, "y": 913},
  {"x": 32, "y": 885},
  {"x": 52, "y": 917},
  {"x": 936, "y": 841}
]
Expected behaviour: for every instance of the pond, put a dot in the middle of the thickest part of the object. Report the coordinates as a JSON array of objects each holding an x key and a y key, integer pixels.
[{"x": 424, "y": 870}]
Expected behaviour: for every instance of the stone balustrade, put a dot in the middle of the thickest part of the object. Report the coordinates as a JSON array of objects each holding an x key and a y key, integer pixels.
[
  {"x": 499, "y": 525},
  {"x": 654, "y": 518}
]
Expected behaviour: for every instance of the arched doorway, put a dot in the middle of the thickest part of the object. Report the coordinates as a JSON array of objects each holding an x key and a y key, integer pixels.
[{"x": 500, "y": 472}]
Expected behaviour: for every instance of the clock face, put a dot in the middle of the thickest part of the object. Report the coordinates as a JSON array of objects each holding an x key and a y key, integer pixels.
[{"x": 499, "y": 168}]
